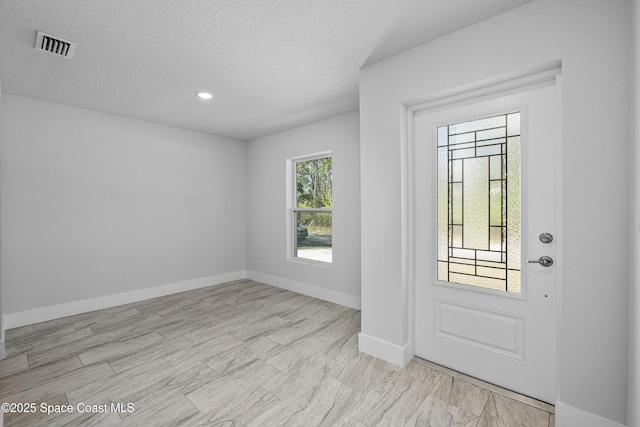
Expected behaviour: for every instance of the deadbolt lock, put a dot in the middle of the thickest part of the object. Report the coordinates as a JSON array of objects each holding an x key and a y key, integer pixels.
[{"x": 546, "y": 238}]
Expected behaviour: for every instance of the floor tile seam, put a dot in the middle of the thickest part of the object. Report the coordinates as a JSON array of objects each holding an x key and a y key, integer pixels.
[
  {"x": 430, "y": 388},
  {"x": 254, "y": 300},
  {"x": 150, "y": 358},
  {"x": 330, "y": 320},
  {"x": 432, "y": 393},
  {"x": 122, "y": 418},
  {"x": 316, "y": 330},
  {"x": 195, "y": 408},
  {"x": 249, "y": 338},
  {"x": 249, "y": 391},
  {"x": 548, "y": 414},
  {"x": 354, "y": 390},
  {"x": 295, "y": 341},
  {"x": 16, "y": 351},
  {"x": 111, "y": 328},
  {"x": 104, "y": 313},
  {"x": 9, "y": 354},
  {"x": 95, "y": 327},
  {"x": 11, "y": 343},
  {"x": 113, "y": 370},
  {"x": 116, "y": 317},
  {"x": 126, "y": 306},
  {"x": 328, "y": 411},
  {"x": 13, "y": 351},
  {"x": 300, "y": 408},
  {"x": 77, "y": 353},
  {"x": 451, "y": 405},
  {"x": 50, "y": 361},
  {"x": 30, "y": 326},
  {"x": 529, "y": 401},
  {"x": 25, "y": 339},
  {"x": 47, "y": 346},
  {"x": 484, "y": 408},
  {"x": 135, "y": 335},
  {"x": 456, "y": 399},
  {"x": 367, "y": 389},
  {"x": 97, "y": 362},
  {"x": 166, "y": 314},
  {"x": 183, "y": 315},
  {"x": 41, "y": 383},
  {"x": 238, "y": 368},
  {"x": 14, "y": 373},
  {"x": 120, "y": 340},
  {"x": 322, "y": 365},
  {"x": 42, "y": 366},
  {"x": 186, "y": 395},
  {"x": 126, "y": 353},
  {"x": 277, "y": 349},
  {"x": 129, "y": 417},
  {"x": 205, "y": 342},
  {"x": 352, "y": 413},
  {"x": 164, "y": 359},
  {"x": 402, "y": 393},
  {"x": 154, "y": 312},
  {"x": 337, "y": 361},
  {"x": 70, "y": 323}
]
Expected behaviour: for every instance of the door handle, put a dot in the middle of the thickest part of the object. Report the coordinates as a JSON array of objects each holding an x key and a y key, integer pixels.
[{"x": 545, "y": 261}]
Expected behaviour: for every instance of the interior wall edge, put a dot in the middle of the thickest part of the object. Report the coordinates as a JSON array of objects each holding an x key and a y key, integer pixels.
[{"x": 399, "y": 355}]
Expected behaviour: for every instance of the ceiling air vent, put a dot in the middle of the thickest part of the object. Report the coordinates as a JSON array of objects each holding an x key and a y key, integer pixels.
[{"x": 55, "y": 45}]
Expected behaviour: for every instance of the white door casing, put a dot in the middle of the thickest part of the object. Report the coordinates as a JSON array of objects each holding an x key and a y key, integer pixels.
[{"x": 505, "y": 338}]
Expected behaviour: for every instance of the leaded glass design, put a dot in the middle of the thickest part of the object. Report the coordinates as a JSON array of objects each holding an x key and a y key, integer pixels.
[{"x": 479, "y": 203}]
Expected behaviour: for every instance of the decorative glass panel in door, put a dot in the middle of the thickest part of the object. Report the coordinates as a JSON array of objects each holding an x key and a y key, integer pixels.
[{"x": 479, "y": 203}]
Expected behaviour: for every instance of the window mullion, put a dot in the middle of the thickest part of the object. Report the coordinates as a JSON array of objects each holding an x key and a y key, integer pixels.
[{"x": 312, "y": 210}]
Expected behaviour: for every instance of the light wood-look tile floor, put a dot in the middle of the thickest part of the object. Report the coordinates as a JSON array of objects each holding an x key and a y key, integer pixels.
[{"x": 241, "y": 353}]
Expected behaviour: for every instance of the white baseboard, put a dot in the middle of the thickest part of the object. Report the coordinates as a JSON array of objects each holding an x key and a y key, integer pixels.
[
  {"x": 392, "y": 353},
  {"x": 569, "y": 416},
  {"x": 43, "y": 314},
  {"x": 307, "y": 289},
  {"x": 2, "y": 352}
]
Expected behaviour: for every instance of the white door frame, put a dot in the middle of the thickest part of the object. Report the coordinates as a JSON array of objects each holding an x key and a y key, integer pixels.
[{"x": 528, "y": 80}]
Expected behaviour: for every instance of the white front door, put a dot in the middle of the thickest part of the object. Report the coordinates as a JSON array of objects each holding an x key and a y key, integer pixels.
[{"x": 485, "y": 191}]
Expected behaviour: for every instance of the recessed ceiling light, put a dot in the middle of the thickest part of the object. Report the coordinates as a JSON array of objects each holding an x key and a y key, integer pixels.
[{"x": 205, "y": 95}]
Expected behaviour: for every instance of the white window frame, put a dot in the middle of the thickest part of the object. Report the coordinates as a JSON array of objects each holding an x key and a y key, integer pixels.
[{"x": 292, "y": 209}]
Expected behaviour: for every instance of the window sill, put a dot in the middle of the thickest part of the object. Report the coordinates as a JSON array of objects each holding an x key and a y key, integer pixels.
[{"x": 312, "y": 262}]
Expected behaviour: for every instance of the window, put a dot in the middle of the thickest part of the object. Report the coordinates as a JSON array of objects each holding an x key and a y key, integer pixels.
[
  {"x": 479, "y": 203},
  {"x": 312, "y": 208}
]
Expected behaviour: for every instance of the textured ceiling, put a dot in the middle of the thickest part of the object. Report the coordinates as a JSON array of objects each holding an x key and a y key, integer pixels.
[{"x": 271, "y": 64}]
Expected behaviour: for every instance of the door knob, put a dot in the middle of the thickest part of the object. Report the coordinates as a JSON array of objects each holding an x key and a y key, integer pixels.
[{"x": 545, "y": 261}]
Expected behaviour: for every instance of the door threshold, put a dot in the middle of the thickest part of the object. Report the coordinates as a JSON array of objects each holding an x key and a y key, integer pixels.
[{"x": 491, "y": 387}]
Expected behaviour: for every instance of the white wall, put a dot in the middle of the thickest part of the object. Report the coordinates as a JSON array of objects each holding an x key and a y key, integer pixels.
[
  {"x": 95, "y": 204},
  {"x": 591, "y": 38},
  {"x": 267, "y": 209},
  {"x": 633, "y": 418}
]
